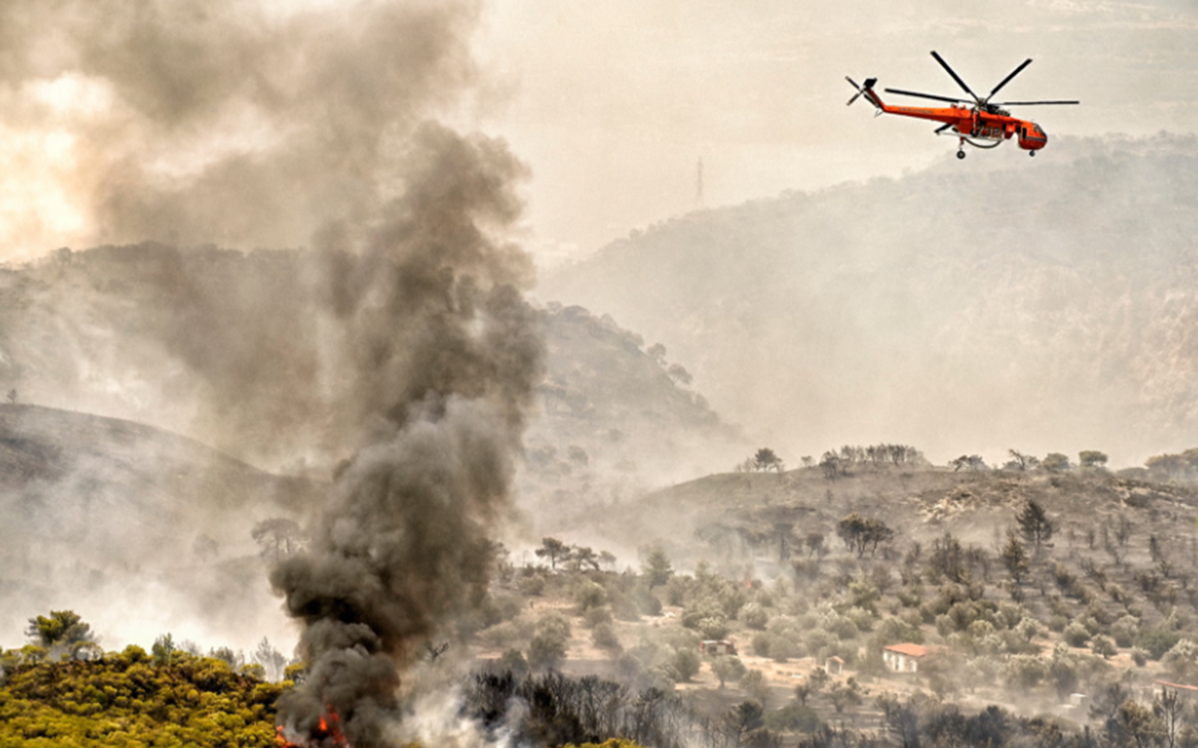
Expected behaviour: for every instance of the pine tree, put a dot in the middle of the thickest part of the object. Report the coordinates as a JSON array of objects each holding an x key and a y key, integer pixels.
[
  {"x": 1034, "y": 525},
  {"x": 1014, "y": 557}
]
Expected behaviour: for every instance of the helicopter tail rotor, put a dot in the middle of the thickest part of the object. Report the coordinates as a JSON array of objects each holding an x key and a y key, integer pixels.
[{"x": 869, "y": 84}]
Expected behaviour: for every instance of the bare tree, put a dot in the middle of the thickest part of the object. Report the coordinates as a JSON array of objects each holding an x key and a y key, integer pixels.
[{"x": 1170, "y": 712}]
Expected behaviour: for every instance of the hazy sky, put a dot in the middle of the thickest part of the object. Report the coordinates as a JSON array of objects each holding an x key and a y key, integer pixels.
[{"x": 612, "y": 104}]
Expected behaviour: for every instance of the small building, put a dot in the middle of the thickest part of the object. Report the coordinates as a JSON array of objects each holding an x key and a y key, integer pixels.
[
  {"x": 905, "y": 657},
  {"x": 833, "y": 665},
  {"x": 717, "y": 647}
]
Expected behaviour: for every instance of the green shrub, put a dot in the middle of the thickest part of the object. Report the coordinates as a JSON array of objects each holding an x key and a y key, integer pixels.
[
  {"x": 588, "y": 595},
  {"x": 1181, "y": 661},
  {"x": 909, "y": 597},
  {"x": 863, "y": 619},
  {"x": 782, "y": 649},
  {"x": 188, "y": 700},
  {"x": 761, "y": 644},
  {"x": 595, "y": 616},
  {"x": 500, "y": 636},
  {"x": 818, "y": 640},
  {"x": 1024, "y": 671},
  {"x": 1157, "y": 642},
  {"x": 623, "y": 606},
  {"x": 893, "y": 630},
  {"x": 604, "y": 636},
  {"x": 1029, "y": 628},
  {"x": 753, "y": 616},
  {"x": 686, "y": 663},
  {"x": 1076, "y": 635},
  {"x": 546, "y": 650},
  {"x": 1103, "y": 646},
  {"x": 794, "y": 717},
  {"x": 531, "y": 586},
  {"x": 1125, "y": 630}
]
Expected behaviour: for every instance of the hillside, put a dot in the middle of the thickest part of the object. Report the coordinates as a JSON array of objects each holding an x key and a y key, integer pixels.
[
  {"x": 1067, "y": 628},
  {"x": 218, "y": 345},
  {"x": 757, "y": 521},
  {"x": 141, "y": 529},
  {"x": 229, "y": 348},
  {"x": 983, "y": 305},
  {"x": 615, "y": 419}
]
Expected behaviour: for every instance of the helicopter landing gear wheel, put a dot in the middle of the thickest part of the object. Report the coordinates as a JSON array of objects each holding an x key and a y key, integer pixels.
[
  {"x": 961, "y": 153},
  {"x": 1032, "y": 154}
]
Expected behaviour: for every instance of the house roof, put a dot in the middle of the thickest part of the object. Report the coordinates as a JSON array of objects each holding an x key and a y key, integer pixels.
[
  {"x": 834, "y": 658},
  {"x": 909, "y": 649},
  {"x": 1178, "y": 686}
]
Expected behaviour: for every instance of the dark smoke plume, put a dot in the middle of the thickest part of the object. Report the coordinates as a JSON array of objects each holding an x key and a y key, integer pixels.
[
  {"x": 448, "y": 353},
  {"x": 402, "y": 338}
]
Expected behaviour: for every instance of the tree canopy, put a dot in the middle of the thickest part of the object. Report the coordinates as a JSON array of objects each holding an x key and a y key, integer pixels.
[
  {"x": 766, "y": 459},
  {"x": 1034, "y": 524},
  {"x": 861, "y": 533},
  {"x": 124, "y": 699}
]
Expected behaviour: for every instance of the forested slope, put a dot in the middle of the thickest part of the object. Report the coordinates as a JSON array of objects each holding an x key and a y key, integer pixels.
[{"x": 1045, "y": 305}]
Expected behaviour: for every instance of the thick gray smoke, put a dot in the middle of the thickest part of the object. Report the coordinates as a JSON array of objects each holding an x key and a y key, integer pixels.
[
  {"x": 402, "y": 339},
  {"x": 236, "y": 123},
  {"x": 251, "y": 125},
  {"x": 449, "y": 355}
]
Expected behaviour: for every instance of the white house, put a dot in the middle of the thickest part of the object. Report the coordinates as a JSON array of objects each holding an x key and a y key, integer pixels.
[
  {"x": 833, "y": 665},
  {"x": 905, "y": 657}
]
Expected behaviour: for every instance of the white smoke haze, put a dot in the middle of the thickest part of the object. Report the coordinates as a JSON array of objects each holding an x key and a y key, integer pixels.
[
  {"x": 217, "y": 122},
  {"x": 434, "y": 717}
]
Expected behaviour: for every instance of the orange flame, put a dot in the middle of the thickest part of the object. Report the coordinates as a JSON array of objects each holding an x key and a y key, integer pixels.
[{"x": 328, "y": 727}]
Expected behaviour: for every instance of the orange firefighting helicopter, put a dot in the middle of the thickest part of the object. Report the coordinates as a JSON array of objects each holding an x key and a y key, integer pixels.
[{"x": 984, "y": 125}]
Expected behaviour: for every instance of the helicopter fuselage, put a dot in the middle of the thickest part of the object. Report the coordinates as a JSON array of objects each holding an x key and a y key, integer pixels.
[{"x": 973, "y": 124}]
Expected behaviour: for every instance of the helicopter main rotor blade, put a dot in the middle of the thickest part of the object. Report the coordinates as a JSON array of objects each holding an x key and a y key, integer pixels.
[
  {"x": 1007, "y": 80},
  {"x": 926, "y": 96},
  {"x": 1033, "y": 103},
  {"x": 956, "y": 77}
]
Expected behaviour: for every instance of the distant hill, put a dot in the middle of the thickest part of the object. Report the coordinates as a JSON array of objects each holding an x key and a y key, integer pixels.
[
  {"x": 139, "y": 528},
  {"x": 760, "y": 521},
  {"x": 616, "y": 417},
  {"x": 219, "y": 345},
  {"x": 1048, "y": 304}
]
